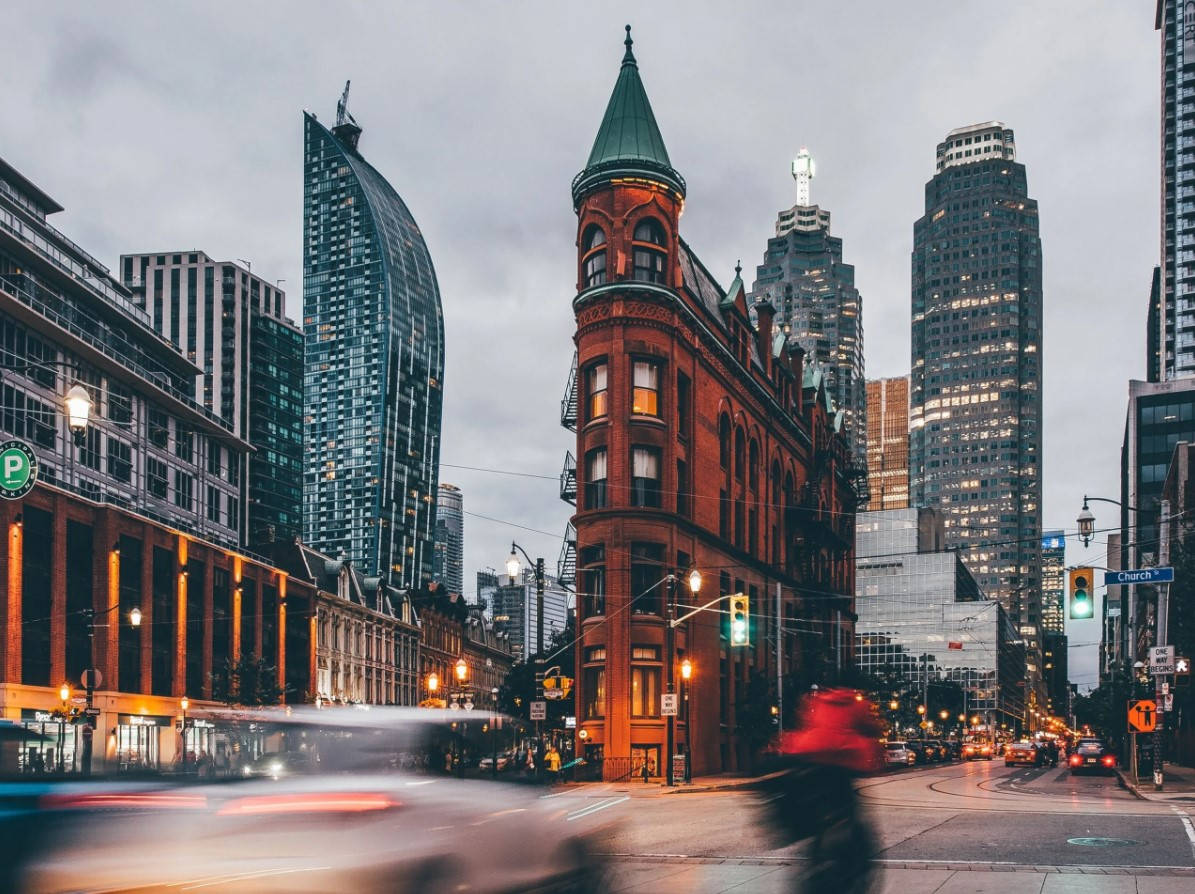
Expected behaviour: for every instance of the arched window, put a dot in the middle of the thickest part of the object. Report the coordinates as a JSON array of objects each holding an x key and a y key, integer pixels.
[
  {"x": 753, "y": 465},
  {"x": 724, "y": 441},
  {"x": 593, "y": 259},
  {"x": 740, "y": 453},
  {"x": 650, "y": 256}
]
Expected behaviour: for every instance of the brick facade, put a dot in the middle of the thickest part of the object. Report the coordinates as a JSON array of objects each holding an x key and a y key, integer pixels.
[{"x": 702, "y": 442}]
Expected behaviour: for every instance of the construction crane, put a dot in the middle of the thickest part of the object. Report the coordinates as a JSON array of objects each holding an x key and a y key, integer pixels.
[{"x": 342, "y": 107}]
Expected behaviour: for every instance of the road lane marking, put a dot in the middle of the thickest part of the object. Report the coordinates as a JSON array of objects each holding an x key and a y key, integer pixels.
[
  {"x": 1187, "y": 827},
  {"x": 594, "y": 808},
  {"x": 973, "y": 865}
]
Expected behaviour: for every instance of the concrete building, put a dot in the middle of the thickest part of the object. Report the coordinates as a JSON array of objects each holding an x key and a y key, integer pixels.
[
  {"x": 888, "y": 443},
  {"x": 813, "y": 291},
  {"x": 702, "y": 442},
  {"x": 450, "y": 538},
  {"x": 1159, "y": 415},
  {"x": 515, "y": 613},
  {"x": 1053, "y": 581},
  {"x": 234, "y": 326},
  {"x": 140, "y": 509},
  {"x": 975, "y": 398},
  {"x": 373, "y": 389},
  {"x": 923, "y": 617}
]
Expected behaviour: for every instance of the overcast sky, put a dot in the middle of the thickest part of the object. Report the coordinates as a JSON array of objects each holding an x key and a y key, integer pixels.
[{"x": 175, "y": 126}]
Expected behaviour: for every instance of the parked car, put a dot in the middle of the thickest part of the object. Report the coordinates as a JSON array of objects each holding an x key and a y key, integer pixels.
[
  {"x": 486, "y": 764},
  {"x": 1021, "y": 753},
  {"x": 977, "y": 751},
  {"x": 920, "y": 752},
  {"x": 899, "y": 754},
  {"x": 939, "y": 749},
  {"x": 955, "y": 748},
  {"x": 1091, "y": 756}
]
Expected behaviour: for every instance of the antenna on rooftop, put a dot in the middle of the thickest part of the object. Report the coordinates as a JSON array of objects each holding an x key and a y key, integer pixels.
[{"x": 802, "y": 172}]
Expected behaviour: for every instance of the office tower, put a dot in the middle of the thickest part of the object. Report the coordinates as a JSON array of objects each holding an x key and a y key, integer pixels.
[
  {"x": 804, "y": 278},
  {"x": 374, "y": 363},
  {"x": 888, "y": 443},
  {"x": 515, "y": 612},
  {"x": 975, "y": 388},
  {"x": 922, "y": 615},
  {"x": 233, "y": 325},
  {"x": 450, "y": 538},
  {"x": 1053, "y": 581}
]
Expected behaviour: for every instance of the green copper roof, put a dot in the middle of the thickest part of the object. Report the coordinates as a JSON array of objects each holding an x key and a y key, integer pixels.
[
  {"x": 628, "y": 141},
  {"x": 629, "y": 129}
]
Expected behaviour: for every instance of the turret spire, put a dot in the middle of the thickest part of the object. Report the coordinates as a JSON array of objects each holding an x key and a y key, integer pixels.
[{"x": 628, "y": 57}]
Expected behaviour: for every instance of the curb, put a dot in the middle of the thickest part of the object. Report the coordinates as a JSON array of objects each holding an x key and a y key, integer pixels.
[
  {"x": 1125, "y": 784},
  {"x": 737, "y": 785}
]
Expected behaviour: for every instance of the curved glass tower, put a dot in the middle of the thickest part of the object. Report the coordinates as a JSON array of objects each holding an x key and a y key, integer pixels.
[{"x": 374, "y": 361}]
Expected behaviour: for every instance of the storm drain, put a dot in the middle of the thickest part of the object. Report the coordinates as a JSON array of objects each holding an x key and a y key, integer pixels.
[{"x": 1102, "y": 842}]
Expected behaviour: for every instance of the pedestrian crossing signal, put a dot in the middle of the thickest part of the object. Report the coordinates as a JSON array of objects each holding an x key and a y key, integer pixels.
[
  {"x": 740, "y": 620},
  {"x": 1082, "y": 601}
]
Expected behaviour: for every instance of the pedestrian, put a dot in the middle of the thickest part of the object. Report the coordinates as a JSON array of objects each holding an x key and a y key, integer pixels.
[
  {"x": 552, "y": 762},
  {"x": 644, "y": 768}
]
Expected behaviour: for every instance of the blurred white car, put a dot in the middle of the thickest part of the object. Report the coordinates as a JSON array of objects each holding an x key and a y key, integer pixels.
[{"x": 348, "y": 817}]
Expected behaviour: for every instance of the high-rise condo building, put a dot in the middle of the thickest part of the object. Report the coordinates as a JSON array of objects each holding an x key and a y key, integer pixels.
[
  {"x": 233, "y": 325},
  {"x": 888, "y": 443},
  {"x": 975, "y": 388},
  {"x": 803, "y": 276},
  {"x": 1053, "y": 581},
  {"x": 1174, "y": 322},
  {"x": 374, "y": 363},
  {"x": 450, "y": 538}
]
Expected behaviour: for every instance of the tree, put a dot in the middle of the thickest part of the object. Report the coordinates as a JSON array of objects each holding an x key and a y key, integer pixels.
[
  {"x": 247, "y": 681},
  {"x": 518, "y": 690}
]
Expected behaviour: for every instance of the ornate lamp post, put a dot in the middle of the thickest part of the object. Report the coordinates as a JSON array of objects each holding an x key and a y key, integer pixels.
[{"x": 686, "y": 673}]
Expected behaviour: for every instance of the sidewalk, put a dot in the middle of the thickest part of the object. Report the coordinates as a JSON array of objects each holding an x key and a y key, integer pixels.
[{"x": 1178, "y": 785}]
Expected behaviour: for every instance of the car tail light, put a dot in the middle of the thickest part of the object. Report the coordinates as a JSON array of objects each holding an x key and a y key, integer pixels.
[
  {"x": 124, "y": 801},
  {"x": 1109, "y": 760},
  {"x": 1076, "y": 760},
  {"x": 323, "y": 802}
]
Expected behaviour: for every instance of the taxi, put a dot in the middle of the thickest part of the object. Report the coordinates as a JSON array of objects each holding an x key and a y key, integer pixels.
[
  {"x": 1020, "y": 753},
  {"x": 977, "y": 751}
]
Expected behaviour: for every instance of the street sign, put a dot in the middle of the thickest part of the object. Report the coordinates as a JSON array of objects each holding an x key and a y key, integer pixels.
[
  {"x": 1168, "y": 702},
  {"x": 668, "y": 704},
  {"x": 92, "y": 712},
  {"x": 1161, "y": 660},
  {"x": 570, "y": 722},
  {"x": 1143, "y": 716},
  {"x": 1114, "y": 611},
  {"x": 18, "y": 469},
  {"x": 539, "y": 710},
  {"x": 1139, "y": 576}
]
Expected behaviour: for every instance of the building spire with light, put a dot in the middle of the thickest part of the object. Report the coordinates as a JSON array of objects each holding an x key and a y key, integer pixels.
[{"x": 803, "y": 173}]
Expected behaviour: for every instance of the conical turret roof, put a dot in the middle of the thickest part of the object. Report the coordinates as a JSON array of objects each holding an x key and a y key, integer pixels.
[{"x": 629, "y": 140}]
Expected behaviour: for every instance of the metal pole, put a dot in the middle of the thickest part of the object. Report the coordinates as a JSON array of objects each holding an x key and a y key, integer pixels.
[
  {"x": 670, "y": 657},
  {"x": 1162, "y": 637},
  {"x": 688, "y": 737},
  {"x": 779, "y": 664},
  {"x": 539, "y": 656}
]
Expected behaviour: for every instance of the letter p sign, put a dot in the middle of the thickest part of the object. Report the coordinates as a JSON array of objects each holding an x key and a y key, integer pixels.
[{"x": 18, "y": 469}]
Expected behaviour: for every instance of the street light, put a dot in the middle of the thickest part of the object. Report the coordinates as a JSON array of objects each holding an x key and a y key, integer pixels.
[
  {"x": 78, "y": 411},
  {"x": 512, "y": 569},
  {"x": 64, "y": 693},
  {"x": 893, "y": 705},
  {"x": 686, "y": 673},
  {"x": 433, "y": 682},
  {"x": 693, "y": 578},
  {"x": 184, "y": 704},
  {"x": 92, "y": 678},
  {"x": 462, "y": 671}
]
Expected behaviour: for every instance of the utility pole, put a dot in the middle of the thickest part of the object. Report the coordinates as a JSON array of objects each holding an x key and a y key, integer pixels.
[
  {"x": 779, "y": 665},
  {"x": 670, "y": 657},
  {"x": 1163, "y": 636}
]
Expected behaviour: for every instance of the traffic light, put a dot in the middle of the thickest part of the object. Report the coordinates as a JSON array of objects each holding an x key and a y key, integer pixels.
[
  {"x": 740, "y": 620},
  {"x": 1082, "y": 601}
]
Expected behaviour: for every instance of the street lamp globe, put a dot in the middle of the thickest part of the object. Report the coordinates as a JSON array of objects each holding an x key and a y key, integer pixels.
[
  {"x": 921, "y": 709},
  {"x": 1086, "y": 522},
  {"x": 135, "y": 617},
  {"x": 694, "y": 581},
  {"x": 462, "y": 670},
  {"x": 943, "y": 714},
  {"x": 893, "y": 705},
  {"x": 433, "y": 682},
  {"x": 512, "y": 566},
  {"x": 64, "y": 691},
  {"x": 686, "y": 669},
  {"x": 185, "y": 703},
  {"x": 78, "y": 408}
]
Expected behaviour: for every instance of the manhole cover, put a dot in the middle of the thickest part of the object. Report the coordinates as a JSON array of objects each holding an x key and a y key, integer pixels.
[{"x": 1101, "y": 842}]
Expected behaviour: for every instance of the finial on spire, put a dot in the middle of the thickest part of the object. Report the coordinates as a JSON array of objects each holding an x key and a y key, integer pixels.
[
  {"x": 738, "y": 267},
  {"x": 629, "y": 57}
]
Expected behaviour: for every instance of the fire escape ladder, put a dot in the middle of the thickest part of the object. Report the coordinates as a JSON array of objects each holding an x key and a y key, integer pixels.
[
  {"x": 566, "y": 566},
  {"x": 568, "y": 405},
  {"x": 568, "y": 479}
]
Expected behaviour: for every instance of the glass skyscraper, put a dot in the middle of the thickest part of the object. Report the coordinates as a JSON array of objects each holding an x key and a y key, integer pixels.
[
  {"x": 372, "y": 390},
  {"x": 975, "y": 403},
  {"x": 813, "y": 291},
  {"x": 1053, "y": 583},
  {"x": 450, "y": 538}
]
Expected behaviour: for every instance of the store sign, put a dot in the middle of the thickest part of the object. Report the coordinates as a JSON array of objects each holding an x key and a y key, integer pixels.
[
  {"x": 142, "y": 720},
  {"x": 38, "y": 716}
]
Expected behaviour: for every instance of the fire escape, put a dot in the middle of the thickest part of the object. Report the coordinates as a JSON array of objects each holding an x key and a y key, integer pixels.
[{"x": 566, "y": 565}]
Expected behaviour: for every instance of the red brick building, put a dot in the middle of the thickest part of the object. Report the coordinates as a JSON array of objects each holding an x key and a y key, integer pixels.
[{"x": 702, "y": 442}]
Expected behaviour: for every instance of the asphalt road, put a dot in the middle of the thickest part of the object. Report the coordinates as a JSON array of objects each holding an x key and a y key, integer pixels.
[{"x": 976, "y": 827}]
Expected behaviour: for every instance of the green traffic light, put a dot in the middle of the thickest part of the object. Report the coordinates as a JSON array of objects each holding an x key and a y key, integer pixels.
[{"x": 1081, "y": 606}]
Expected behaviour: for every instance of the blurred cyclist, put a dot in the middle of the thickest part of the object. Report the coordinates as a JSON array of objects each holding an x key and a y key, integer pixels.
[{"x": 837, "y": 740}]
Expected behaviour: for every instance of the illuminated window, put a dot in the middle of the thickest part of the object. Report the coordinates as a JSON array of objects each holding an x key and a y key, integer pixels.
[
  {"x": 645, "y": 394},
  {"x": 595, "y": 389}
]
